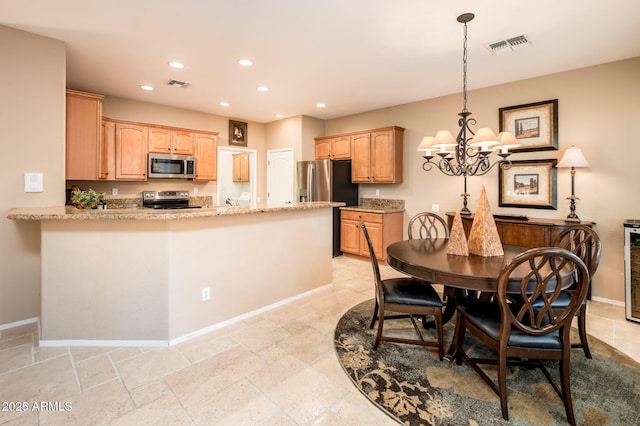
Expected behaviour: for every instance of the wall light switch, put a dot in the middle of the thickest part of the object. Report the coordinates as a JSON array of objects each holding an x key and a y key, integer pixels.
[
  {"x": 33, "y": 182},
  {"x": 435, "y": 208},
  {"x": 114, "y": 191}
]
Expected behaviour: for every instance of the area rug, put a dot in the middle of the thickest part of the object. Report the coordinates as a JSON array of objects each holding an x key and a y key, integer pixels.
[{"x": 412, "y": 386}]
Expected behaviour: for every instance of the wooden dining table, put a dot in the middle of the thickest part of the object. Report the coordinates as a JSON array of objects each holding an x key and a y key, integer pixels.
[{"x": 461, "y": 276}]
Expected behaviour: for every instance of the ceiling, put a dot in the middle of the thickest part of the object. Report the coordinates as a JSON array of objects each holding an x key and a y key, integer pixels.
[{"x": 352, "y": 55}]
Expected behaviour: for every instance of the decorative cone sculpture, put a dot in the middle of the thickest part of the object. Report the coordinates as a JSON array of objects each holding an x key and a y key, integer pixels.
[
  {"x": 457, "y": 244},
  {"x": 483, "y": 238}
]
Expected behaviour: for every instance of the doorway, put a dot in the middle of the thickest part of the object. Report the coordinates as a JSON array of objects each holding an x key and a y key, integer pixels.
[
  {"x": 237, "y": 191},
  {"x": 280, "y": 176}
]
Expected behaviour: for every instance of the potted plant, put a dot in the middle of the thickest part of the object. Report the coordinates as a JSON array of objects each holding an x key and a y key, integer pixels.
[{"x": 87, "y": 199}]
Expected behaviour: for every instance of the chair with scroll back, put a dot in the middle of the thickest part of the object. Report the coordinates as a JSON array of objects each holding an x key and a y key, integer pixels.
[
  {"x": 586, "y": 244},
  {"x": 520, "y": 333},
  {"x": 406, "y": 295}
]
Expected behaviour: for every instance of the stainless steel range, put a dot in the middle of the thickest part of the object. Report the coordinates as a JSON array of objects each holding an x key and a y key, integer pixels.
[{"x": 166, "y": 200}]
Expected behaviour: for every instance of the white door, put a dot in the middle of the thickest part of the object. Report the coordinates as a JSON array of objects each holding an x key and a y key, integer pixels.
[{"x": 280, "y": 176}]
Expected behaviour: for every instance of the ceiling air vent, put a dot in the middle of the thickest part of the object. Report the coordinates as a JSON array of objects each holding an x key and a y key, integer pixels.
[
  {"x": 508, "y": 45},
  {"x": 179, "y": 83}
]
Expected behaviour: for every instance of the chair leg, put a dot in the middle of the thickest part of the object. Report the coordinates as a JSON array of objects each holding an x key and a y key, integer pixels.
[
  {"x": 455, "y": 350},
  {"x": 379, "y": 333},
  {"x": 502, "y": 383},
  {"x": 438, "y": 319},
  {"x": 375, "y": 315},
  {"x": 582, "y": 329},
  {"x": 565, "y": 384}
]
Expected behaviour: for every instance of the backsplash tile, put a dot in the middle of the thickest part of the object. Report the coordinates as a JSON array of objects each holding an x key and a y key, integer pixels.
[{"x": 381, "y": 203}]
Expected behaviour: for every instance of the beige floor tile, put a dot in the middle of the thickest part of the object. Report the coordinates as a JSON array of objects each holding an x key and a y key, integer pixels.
[
  {"x": 278, "y": 419},
  {"x": 16, "y": 357},
  {"x": 43, "y": 354},
  {"x": 149, "y": 392},
  {"x": 13, "y": 342},
  {"x": 284, "y": 314},
  {"x": 52, "y": 380},
  {"x": 328, "y": 366},
  {"x": 98, "y": 405},
  {"x": 272, "y": 354},
  {"x": 23, "y": 330},
  {"x": 81, "y": 353},
  {"x": 199, "y": 381},
  {"x": 238, "y": 404},
  {"x": 164, "y": 411},
  {"x": 29, "y": 419},
  {"x": 260, "y": 335},
  {"x": 207, "y": 349},
  {"x": 356, "y": 409},
  {"x": 150, "y": 366},
  {"x": 308, "y": 346},
  {"x": 300, "y": 392},
  {"x": 121, "y": 354},
  {"x": 95, "y": 371}
]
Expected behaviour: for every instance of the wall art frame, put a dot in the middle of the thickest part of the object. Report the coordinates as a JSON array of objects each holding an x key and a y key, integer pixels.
[
  {"x": 237, "y": 133},
  {"x": 535, "y": 125},
  {"x": 529, "y": 184}
]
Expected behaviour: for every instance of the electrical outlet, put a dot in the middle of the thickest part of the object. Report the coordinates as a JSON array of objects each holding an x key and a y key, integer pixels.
[
  {"x": 206, "y": 293},
  {"x": 377, "y": 192},
  {"x": 195, "y": 189},
  {"x": 114, "y": 191},
  {"x": 435, "y": 208}
]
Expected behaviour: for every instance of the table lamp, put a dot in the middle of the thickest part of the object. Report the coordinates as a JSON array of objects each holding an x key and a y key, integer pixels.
[{"x": 573, "y": 158}]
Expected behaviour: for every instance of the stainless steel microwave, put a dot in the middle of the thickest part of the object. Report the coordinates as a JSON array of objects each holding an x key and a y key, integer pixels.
[{"x": 171, "y": 166}]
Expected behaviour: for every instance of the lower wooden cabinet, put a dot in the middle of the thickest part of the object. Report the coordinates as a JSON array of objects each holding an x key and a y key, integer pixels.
[{"x": 383, "y": 229}]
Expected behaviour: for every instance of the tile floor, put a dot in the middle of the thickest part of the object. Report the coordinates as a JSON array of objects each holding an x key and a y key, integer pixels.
[{"x": 277, "y": 368}]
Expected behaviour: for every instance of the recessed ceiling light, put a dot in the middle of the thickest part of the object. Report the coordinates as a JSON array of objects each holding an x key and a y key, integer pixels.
[
  {"x": 224, "y": 104},
  {"x": 263, "y": 89},
  {"x": 145, "y": 87},
  {"x": 279, "y": 115},
  {"x": 321, "y": 105},
  {"x": 176, "y": 65},
  {"x": 245, "y": 62}
]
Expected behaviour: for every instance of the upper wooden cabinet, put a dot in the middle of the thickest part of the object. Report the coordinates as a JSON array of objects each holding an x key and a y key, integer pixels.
[
  {"x": 168, "y": 141},
  {"x": 206, "y": 151},
  {"x": 131, "y": 151},
  {"x": 83, "y": 135},
  {"x": 107, "y": 154},
  {"x": 333, "y": 148},
  {"x": 241, "y": 167},
  {"x": 377, "y": 156}
]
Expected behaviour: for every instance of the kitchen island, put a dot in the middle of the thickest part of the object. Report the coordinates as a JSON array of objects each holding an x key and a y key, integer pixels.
[{"x": 139, "y": 276}]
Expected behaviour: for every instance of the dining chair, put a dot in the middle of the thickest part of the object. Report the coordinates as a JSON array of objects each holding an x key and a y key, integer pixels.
[
  {"x": 406, "y": 296},
  {"x": 519, "y": 333},
  {"x": 585, "y": 243},
  {"x": 428, "y": 226}
]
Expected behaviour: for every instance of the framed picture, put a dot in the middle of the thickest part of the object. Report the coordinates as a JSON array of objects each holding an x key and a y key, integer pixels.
[
  {"x": 535, "y": 125},
  {"x": 529, "y": 183},
  {"x": 237, "y": 133}
]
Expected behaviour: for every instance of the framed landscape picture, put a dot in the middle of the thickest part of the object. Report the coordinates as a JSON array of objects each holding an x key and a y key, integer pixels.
[
  {"x": 529, "y": 183},
  {"x": 535, "y": 125},
  {"x": 237, "y": 133}
]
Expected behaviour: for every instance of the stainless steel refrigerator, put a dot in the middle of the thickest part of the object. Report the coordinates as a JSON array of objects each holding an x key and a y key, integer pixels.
[{"x": 327, "y": 180}]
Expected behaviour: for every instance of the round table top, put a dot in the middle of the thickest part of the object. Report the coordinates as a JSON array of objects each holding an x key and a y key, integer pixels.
[{"x": 428, "y": 260}]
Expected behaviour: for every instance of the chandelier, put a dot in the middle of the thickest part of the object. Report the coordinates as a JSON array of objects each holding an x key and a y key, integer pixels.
[{"x": 470, "y": 151}]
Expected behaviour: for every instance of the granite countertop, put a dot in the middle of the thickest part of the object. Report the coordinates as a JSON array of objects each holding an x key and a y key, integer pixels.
[
  {"x": 140, "y": 213},
  {"x": 377, "y": 205}
]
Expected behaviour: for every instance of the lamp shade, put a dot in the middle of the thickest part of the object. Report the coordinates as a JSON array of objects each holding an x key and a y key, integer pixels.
[
  {"x": 507, "y": 141},
  {"x": 573, "y": 158},
  {"x": 443, "y": 138},
  {"x": 484, "y": 139},
  {"x": 426, "y": 143}
]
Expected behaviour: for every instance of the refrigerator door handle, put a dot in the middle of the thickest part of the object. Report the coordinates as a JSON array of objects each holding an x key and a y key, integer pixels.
[{"x": 311, "y": 182}]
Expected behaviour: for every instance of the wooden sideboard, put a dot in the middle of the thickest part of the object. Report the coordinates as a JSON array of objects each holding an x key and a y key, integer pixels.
[{"x": 531, "y": 232}]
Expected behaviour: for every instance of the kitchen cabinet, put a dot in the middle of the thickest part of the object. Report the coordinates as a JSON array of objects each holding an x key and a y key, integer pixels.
[
  {"x": 83, "y": 154},
  {"x": 131, "y": 151},
  {"x": 169, "y": 141},
  {"x": 240, "y": 167},
  {"x": 377, "y": 156},
  {"x": 383, "y": 229},
  {"x": 333, "y": 148},
  {"x": 107, "y": 154},
  {"x": 206, "y": 151}
]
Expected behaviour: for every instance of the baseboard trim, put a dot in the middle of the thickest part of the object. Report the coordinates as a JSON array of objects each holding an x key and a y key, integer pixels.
[
  {"x": 18, "y": 323},
  {"x": 609, "y": 301},
  {"x": 186, "y": 337}
]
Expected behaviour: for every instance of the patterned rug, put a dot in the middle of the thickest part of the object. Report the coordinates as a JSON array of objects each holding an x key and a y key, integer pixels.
[{"x": 412, "y": 386}]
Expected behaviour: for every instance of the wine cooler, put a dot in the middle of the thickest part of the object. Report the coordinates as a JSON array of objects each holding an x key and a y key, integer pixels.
[{"x": 632, "y": 269}]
